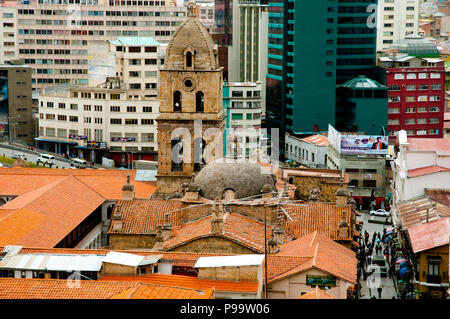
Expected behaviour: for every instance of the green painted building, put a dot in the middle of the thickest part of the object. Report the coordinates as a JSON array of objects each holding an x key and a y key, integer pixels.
[{"x": 362, "y": 107}]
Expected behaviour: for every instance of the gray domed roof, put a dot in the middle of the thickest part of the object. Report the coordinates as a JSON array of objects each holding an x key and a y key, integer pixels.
[{"x": 245, "y": 178}]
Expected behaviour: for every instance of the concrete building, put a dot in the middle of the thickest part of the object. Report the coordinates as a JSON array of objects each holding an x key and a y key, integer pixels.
[
  {"x": 54, "y": 38},
  {"x": 243, "y": 104},
  {"x": 250, "y": 36},
  {"x": 205, "y": 13},
  {"x": 309, "y": 151},
  {"x": 9, "y": 48},
  {"x": 416, "y": 99},
  {"x": 420, "y": 163},
  {"x": 91, "y": 122},
  {"x": 395, "y": 20},
  {"x": 16, "y": 114}
]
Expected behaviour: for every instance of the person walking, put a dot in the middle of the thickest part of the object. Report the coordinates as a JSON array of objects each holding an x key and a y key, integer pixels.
[{"x": 380, "y": 289}]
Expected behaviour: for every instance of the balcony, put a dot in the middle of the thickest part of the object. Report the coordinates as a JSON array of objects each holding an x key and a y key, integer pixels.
[{"x": 433, "y": 279}]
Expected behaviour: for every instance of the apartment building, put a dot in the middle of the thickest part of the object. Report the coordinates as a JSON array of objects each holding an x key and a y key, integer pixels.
[
  {"x": 396, "y": 19},
  {"x": 16, "y": 121},
  {"x": 54, "y": 37},
  {"x": 8, "y": 32},
  {"x": 416, "y": 95},
  {"x": 114, "y": 119},
  {"x": 205, "y": 13}
]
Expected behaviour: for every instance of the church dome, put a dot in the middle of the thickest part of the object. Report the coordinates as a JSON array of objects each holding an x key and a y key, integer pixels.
[
  {"x": 244, "y": 178},
  {"x": 191, "y": 36}
]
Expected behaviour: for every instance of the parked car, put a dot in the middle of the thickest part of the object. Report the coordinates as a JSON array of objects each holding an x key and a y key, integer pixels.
[
  {"x": 379, "y": 212},
  {"x": 19, "y": 155},
  {"x": 78, "y": 163},
  {"x": 378, "y": 264},
  {"x": 46, "y": 159}
]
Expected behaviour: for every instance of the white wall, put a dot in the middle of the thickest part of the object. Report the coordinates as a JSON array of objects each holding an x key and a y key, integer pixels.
[{"x": 415, "y": 186}]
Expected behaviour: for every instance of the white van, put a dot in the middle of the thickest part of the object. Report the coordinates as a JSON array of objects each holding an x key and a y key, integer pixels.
[
  {"x": 46, "y": 159},
  {"x": 78, "y": 163}
]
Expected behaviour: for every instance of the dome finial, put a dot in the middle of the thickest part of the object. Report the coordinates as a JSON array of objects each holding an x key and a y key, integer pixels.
[{"x": 191, "y": 9}]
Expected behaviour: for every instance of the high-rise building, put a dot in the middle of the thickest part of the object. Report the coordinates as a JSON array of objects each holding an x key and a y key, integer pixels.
[
  {"x": 248, "y": 54},
  {"x": 54, "y": 36},
  {"x": 16, "y": 121},
  {"x": 8, "y": 32},
  {"x": 395, "y": 20},
  {"x": 222, "y": 32},
  {"x": 313, "y": 47}
]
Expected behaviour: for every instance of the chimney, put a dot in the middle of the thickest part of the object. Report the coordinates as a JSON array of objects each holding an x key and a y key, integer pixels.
[
  {"x": 116, "y": 220},
  {"x": 273, "y": 244},
  {"x": 128, "y": 190},
  {"x": 167, "y": 227},
  {"x": 278, "y": 233},
  {"x": 159, "y": 240},
  {"x": 341, "y": 194},
  {"x": 192, "y": 190},
  {"x": 343, "y": 227},
  {"x": 217, "y": 220}
]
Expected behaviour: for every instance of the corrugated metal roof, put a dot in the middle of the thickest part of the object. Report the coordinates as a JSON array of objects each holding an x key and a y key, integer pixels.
[
  {"x": 229, "y": 261},
  {"x": 430, "y": 235},
  {"x": 130, "y": 259},
  {"x": 53, "y": 262}
]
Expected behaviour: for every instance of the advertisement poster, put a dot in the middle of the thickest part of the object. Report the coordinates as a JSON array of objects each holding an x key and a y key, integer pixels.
[
  {"x": 3, "y": 106},
  {"x": 364, "y": 144}
]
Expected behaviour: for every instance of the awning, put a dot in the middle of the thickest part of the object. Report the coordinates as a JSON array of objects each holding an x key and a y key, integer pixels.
[{"x": 53, "y": 141}]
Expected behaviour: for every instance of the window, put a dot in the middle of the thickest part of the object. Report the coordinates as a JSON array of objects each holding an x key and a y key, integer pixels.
[
  {"x": 177, "y": 155},
  {"x": 199, "y": 102},
  {"x": 394, "y": 122},
  {"x": 49, "y": 104},
  {"x": 434, "y": 108},
  {"x": 394, "y": 99},
  {"x": 410, "y": 121},
  {"x": 410, "y": 88},
  {"x": 399, "y": 76},
  {"x": 131, "y": 109},
  {"x": 73, "y": 118},
  {"x": 177, "y": 101},
  {"x": 369, "y": 183},
  {"x": 435, "y": 86},
  {"x": 131, "y": 121},
  {"x": 189, "y": 59},
  {"x": 435, "y": 98},
  {"x": 422, "y": 121},
  {"x": 237, "y": 94},
  {"x": 433, "y": 120},
  {"x": 62, "y": 117},
  {"x": 87, "y": 107},
  {"x": 115, "y": 108},
  {"x": 410, "y": 99},
  {"x": 147, "y": 109},
  {"x": 422, "y": 98},
  {"x": 394, "y": 88},
  {"x": 421, "y": 132},
  {"x": 237, "y": 116},
  {"x": 147, "y": 121},
  {"x": 423, "y": 76},
  {"x": 98, "y": 120},
  {"x": 435, "y": 76},
  {"x": 433, "y": 131},
  {"x": 422, "y": 109},
  {"x": 393, "y": 110},
  {"x": 116, "y": 121},
  {"x": 87, "y": 120},
  {"x": 62, "y": 105},
  {"x": 98, "y": 108},
  {"x": 411, "y": 76}
]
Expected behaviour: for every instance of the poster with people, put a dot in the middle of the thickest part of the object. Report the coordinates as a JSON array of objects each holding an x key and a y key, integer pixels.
[{"x": 364, "y": 144}]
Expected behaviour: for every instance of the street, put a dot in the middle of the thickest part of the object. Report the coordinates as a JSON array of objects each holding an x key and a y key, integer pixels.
[
  {"x": 369, "y": 287},
  {"x": 30, "y": 156}
]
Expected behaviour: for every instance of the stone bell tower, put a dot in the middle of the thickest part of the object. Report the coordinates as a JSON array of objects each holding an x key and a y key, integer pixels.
[{"x": 191, "y": 122}]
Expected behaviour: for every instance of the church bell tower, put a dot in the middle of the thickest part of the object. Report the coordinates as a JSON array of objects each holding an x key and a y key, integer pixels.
[{"x": 191, "y": 122}]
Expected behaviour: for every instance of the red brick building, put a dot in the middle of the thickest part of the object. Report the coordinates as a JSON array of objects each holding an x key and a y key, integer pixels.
[{"x": 416, "y": 99}]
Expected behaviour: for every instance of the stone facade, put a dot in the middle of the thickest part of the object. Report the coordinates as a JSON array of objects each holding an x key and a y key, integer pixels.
[
  {"x": 126, "y": 241},
  {"x": 212, "y": 244},
  {"x": 191, "y": 104}
]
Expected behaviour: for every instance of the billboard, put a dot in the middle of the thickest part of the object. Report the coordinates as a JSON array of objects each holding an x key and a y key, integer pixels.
[
  {"x": 4, "y": 106},
  {"x": 364, "y": 144}
]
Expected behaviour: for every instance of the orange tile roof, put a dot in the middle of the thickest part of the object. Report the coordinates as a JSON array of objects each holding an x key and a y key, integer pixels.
[
  {"x": 316, "y": 139},
  {"x": 315, "y": 216},
  {"x": 241, "y": 229},
  {"x": 325, "y": 254},
  {"x": 142, "y": 216},
  {"x": 52, "y": 219},
  {"x": 107, "y": 182},
  {"x": 188, "y": 282},
  {"x": 149, "y": 291},
  {"x": 316, "y": 293},
  {"x": 21, "y": 288}
]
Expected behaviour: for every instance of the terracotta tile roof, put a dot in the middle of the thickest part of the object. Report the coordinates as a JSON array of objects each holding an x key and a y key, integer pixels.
[
  {"x": 21, "y": 288},
  {"x": 188, "y": 282},
  {"x": 430, "y": 235},
  {"x": 427, "y": 170},
  {"x": 51, "y": 220},
  {"x": 441, "y": 145},
  {"x": 107, "y": 182},
  {"x": 414, "y": 211},
  {"x": 241, "y": 229},
  {"x": 319, "y": 140},
  {"x": 142, "y": 216},
  {"x": 323, "y": 217},
  {"x": 439, "y": 195},
  {"x": 149, "y": 291},
  {"x": 316, "y": 293},
  {"x": 324, "y": 254}
]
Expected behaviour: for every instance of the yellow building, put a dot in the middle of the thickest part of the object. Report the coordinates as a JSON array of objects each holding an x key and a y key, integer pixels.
[{"x": 430, "y": 245}]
